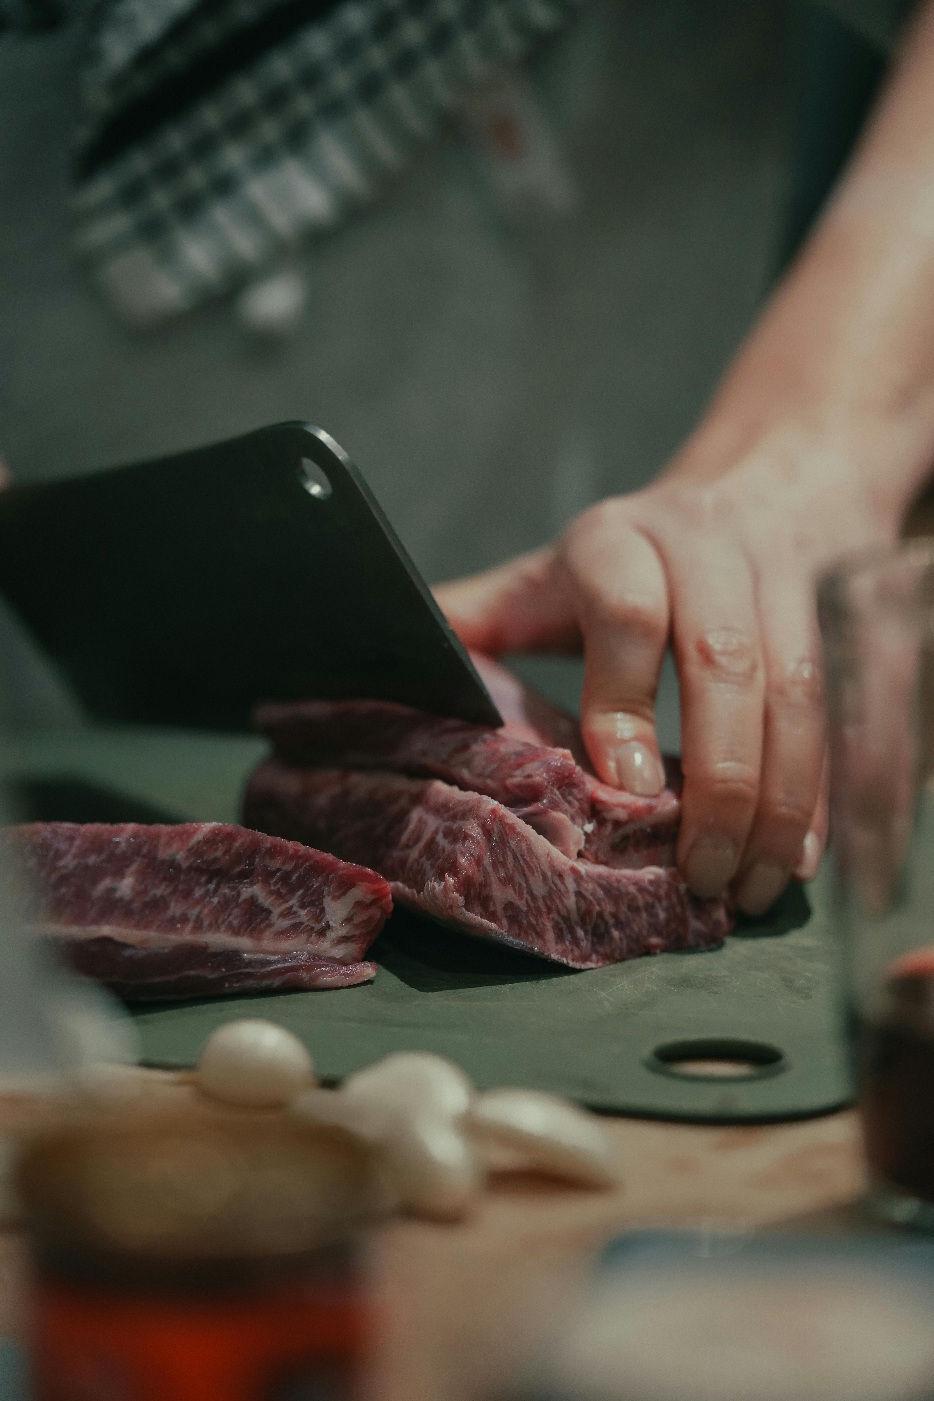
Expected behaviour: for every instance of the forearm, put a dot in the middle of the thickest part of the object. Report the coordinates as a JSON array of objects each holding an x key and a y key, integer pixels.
[{"x": 844, "y": 353}]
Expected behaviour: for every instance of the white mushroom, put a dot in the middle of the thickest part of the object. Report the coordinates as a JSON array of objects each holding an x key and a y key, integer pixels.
[
  {"x": 255, "y": 1064},
  {"x": 366, "y": 1120},
  {"x": 430, "y": 1166},
  {"x": 433, "y": 1167},
  {"x": 416, "y": 1080},
  {"x": 547, "y": 1133}
]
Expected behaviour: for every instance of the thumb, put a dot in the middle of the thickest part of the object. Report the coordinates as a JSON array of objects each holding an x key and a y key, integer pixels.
[{"x": 520, "y": 606}]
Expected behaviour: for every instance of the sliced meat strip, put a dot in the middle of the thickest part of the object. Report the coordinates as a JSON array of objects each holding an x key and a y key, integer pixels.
[
  {"x": 541, "y": 784},
  {"x": 466, "y": 859},
  {"x": 534, "y": 765},
  {"x": 203, "y": 970},
  {"x": 199, "y": 906}
]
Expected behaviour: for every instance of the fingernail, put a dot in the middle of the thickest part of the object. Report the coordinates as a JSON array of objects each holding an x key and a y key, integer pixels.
[
  {"x": 761, "y": 887},
  {"x": 638, "y": 770},
  {"x": 808, "y": 863},
  {"x": 710, "y": 864}
]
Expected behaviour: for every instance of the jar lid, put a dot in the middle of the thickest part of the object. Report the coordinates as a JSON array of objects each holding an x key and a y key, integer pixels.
[{"x": 196, "y": 1182}]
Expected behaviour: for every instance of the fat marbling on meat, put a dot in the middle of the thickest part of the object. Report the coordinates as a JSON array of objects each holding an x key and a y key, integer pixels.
[
  {"x": 164, "y": 911},
  {"x": 535, "y": 765},
  {"x": 466, "y": 859},
  {"x": 506, "y": 833}
]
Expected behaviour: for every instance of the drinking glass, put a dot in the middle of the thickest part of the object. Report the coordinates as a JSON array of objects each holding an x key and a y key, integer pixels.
[{"x": 877, "y": 622}]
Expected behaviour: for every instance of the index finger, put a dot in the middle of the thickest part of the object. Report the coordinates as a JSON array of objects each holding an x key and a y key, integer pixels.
[{"x": 621, "y": 600}]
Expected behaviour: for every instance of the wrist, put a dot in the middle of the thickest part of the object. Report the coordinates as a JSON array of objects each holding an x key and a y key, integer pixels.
[{"x": 845, "y": 422}]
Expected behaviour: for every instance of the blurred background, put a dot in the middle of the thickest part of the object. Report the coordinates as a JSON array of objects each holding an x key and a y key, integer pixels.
[{"x": 493, "y": 364}]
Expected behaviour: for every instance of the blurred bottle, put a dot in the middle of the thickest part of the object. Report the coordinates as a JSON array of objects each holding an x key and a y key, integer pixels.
[{"x": 877, "y": 622}]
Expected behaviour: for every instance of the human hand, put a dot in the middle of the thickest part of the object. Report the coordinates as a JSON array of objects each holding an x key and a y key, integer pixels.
[
  {"x": 816, "y": 443},
  {"x": 719, "y": 562}
]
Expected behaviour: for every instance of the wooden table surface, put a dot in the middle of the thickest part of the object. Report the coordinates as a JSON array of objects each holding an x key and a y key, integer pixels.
[{"x": 453, "y": 1298}]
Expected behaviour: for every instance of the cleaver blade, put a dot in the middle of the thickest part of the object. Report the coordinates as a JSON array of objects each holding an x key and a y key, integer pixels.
[{"x": 186, "y": 590}]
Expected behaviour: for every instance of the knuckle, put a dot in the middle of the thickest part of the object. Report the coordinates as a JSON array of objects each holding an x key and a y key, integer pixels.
[
  {"x": 597, "y": 524},
  {"x": 729, "y": 784},
  {"x": 785, "y": 817},
  {"x": 704, "y": 508},
  {"x": 799, "y": 686},
  {"x": 728, "y": 655},
  {"x": 625, "y": 610},
  {"x": 622, "y": 718}
]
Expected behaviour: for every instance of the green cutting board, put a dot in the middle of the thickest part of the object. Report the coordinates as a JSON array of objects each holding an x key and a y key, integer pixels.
[{"x": 618, "y": 1039}]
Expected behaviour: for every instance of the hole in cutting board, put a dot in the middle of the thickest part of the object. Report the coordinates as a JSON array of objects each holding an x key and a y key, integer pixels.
[
  {"x": 314, "y": 479},
  {"x": 717, "y": 1058}
]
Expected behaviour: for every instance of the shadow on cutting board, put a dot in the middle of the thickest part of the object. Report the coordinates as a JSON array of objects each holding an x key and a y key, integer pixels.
[
  {"x": 792, "y": 911},
  {"x": 425, "y": 955},
  {"x": 430, "y": 956},
  {"x": 68, "y": 799}
]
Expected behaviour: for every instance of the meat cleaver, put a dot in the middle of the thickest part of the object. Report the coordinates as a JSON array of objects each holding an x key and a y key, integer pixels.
[{"x": 186, "y": 590}]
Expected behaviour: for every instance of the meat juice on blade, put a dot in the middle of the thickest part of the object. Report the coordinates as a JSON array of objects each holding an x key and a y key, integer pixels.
[{"x": 196, "y": 1254}]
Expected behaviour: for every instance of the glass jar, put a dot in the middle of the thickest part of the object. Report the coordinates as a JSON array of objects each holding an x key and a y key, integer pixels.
[
  {"x": 877, "y": 620},
  {"x": 196, "y": 1254}
]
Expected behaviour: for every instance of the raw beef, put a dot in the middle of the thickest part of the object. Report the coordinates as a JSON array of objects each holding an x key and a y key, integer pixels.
[
  {"x": 534, "y": 765},
  {"x": 541, "y": 785},
  {"x": 199, "y": 908},
  {"x": 467, "y": 859}
]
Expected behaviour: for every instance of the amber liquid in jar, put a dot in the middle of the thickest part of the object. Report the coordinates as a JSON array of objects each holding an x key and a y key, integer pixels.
[
  {"x": 896, "y": 1072},
  {"x": 198, "y": 1256}
]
